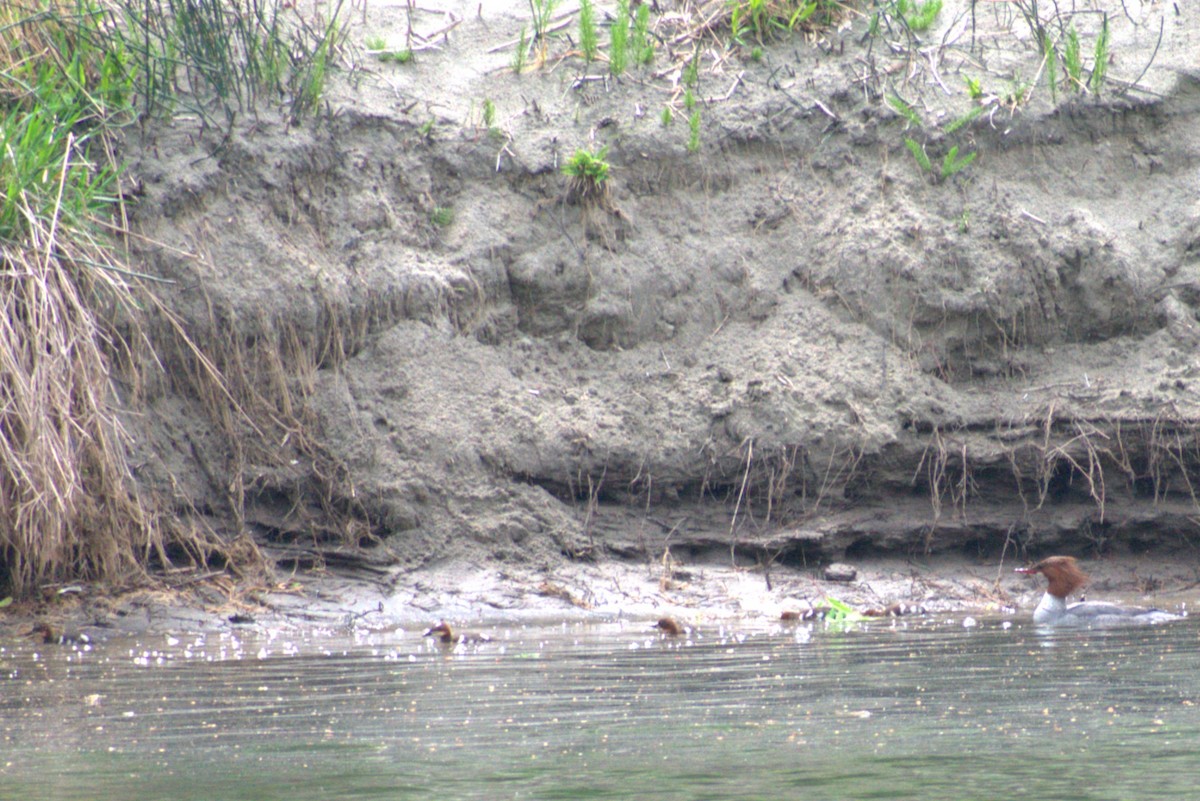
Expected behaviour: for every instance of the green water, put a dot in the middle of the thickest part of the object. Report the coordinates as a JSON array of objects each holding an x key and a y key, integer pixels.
[{"x": 912, "y": 710}]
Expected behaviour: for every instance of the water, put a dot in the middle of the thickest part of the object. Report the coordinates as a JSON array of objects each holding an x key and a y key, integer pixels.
[{"x": 906, "y": 710}]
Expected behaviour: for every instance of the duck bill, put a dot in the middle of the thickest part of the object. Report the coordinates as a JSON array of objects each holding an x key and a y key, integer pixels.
[{"x": 1028, "y": 571}]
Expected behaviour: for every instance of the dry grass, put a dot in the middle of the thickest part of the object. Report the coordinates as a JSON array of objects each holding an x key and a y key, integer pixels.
[
  {"x": 255, "y": 388},
  {"x": 70, "y": 507}
]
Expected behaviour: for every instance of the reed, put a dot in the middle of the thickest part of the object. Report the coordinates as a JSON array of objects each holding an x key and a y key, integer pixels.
[{"x": 218, "y": 60}]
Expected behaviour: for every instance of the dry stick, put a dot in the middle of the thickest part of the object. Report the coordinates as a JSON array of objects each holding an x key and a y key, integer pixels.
[
  {"x": 552, "y": 29},
  {"x": 738, "y": 505},
  {"x": 732, "y": 87}
]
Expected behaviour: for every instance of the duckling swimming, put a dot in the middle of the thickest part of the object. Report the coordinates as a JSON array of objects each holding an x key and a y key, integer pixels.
[{"x": 447, "y": 636}]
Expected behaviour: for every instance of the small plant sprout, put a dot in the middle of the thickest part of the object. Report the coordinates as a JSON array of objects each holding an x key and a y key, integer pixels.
[
  {"x": 441, "y": 216},
  {"x": 1051, "y": 66},
  {"x": 689, "y": 99},
  {"x": 905, "y": 110},
  {"x": 919, "y": 154},
  {"x": 1100, "y": 65},
  {"x": 426, "y": 129},
  {"x": 522, "y": 52},
  {"x": 667, "y": 116},
  {"x": 588, "y": 43},
  {"x": 377, "y": 46},
  {"x": 1072, "y": 61},
  {"x": 640, "y": 42},
  {"x": 618, "y": 47},
  {"x": 691, "y": 72},
  {"x": 964, "y": 119},
  {"x": 756, "y": 53},
  {"x": 952, "y": 164},
  {"x": 919, "y": 15},
  {"x": 693, "y": 143},
  {"x": 974, "y": 87},
  {"x": 588, "y": 173},
  {"x": 964, "y": 221},
  {"x": 489, "y": 114}
]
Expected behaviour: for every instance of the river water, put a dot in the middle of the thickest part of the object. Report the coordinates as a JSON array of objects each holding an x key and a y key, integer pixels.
[{"x": 911, "y": 709}]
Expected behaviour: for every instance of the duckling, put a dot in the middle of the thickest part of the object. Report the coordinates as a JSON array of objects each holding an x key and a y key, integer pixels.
[
  {"x": 794, "y": 615},
  {"x": 895, "y": 610},
  {"x": 446, "y": 635},
  {"x": 50, "y": 636},
  {"x": 669, "y": 626}
]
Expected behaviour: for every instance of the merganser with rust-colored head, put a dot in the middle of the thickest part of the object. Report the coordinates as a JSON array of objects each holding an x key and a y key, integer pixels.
[
  {"x": 1064, "y": 576},
  {"x": 669, "y": 626}
]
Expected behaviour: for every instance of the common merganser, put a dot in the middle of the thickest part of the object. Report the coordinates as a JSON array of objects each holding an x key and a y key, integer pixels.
[
  {"x": 669, "y": 626},
  {"x": 446, "y": 636},
  {"x": 1065, "y": 577}
]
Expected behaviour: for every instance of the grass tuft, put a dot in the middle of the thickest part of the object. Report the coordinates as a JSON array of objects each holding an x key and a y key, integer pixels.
[{"x": 588, "y": 173}]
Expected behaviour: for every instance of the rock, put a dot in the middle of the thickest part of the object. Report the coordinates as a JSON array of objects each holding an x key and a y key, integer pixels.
[{"x": 840, "y": 572}]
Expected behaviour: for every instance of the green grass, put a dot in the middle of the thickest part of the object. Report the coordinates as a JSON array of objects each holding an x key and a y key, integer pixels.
[
  {"x": 764, "y": 19},
  {"x": 397, "y": 56},
  {"x": 521, "y": 54},
  {"x": 693, "y": 143},
  {"x": 641, "y": 45},
  {"x": 618, "y": 41},
  {"x": 589, "y": 43},
  {"x": 691, "y": 72},
  {"x": 919, "y": 14},
  {"x": 965, "y": 119},
  {"x": 905, "y": 110},
  {"x": 441, "y": 216},
  {"x": 1072, "y": 60},
  {"x": 541, "y": 12},
  {"x": 1100, "y": 63},
  {"x": 667, "y": 116},
  {"x": 919, "y": 154},
  {"x": 952, "y": 164},
  {"x": 974, "y": 87},
  {"x": 1051, "y": 56}
]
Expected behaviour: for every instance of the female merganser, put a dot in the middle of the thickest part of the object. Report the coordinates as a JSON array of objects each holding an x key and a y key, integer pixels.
[
  {"x": 446, "y": 635},
  {"x": 669, "y": 626},
  {"x": 1065, "y": 577}
]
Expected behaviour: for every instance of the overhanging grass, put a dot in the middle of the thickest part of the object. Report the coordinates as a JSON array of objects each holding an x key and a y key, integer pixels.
[{"x": 72, "y": 74}]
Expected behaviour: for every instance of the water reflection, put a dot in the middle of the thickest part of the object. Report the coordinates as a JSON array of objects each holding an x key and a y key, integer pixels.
[{"x": 926, "y": 709}]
